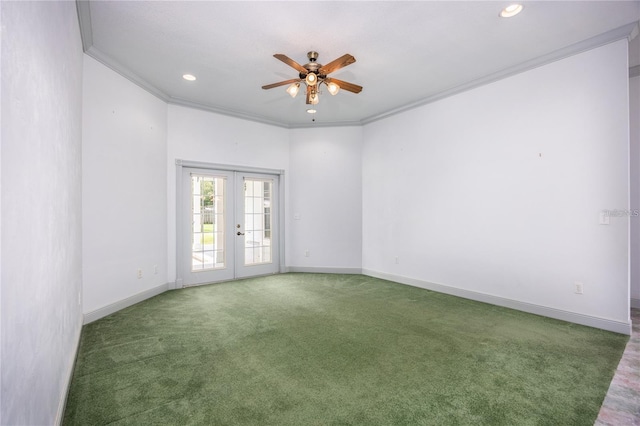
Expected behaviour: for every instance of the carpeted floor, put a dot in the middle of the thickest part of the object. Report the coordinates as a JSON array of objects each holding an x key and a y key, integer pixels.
[{"x": 315, "y": 349}]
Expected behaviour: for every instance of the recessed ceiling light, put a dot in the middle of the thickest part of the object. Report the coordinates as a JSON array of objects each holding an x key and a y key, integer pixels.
[
  {"x": 311, "y": 111},
  {"x": 189, "y": 77},
  {"x": 511, "y": 10}
]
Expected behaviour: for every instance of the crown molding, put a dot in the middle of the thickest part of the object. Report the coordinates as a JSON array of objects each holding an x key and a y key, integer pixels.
[
  {"x": 628, "y": 31},
  {"x": 224, "y": 111},
  {"x": 258, "y": 118},
  {"x": 109, "y": 62},
  {"x": 624, "y": 32},
  {"x": 84, "y": 19},
  {"x": 83, "y": 8}
]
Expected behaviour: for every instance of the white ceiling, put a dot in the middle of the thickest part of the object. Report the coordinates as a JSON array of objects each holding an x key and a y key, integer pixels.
[{"x": 407, "y": 53}]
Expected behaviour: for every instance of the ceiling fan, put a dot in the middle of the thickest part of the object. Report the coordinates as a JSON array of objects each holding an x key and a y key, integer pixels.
[{"x": 313, "y": 74}]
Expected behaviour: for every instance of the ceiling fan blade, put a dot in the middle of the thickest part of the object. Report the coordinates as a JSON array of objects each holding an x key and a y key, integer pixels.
[
  {"x": 342, "y": 61},
  {"x": 282, "y": 83},
  {"x": 344, "y": 85},
  {"x": 287, "y": 60}
]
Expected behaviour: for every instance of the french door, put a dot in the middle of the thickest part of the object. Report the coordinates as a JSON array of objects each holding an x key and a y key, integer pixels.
[{"x": 230, "y": 225}]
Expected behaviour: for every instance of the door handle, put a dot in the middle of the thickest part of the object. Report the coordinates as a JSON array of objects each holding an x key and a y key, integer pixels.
[{"x": 240, "y": 233}]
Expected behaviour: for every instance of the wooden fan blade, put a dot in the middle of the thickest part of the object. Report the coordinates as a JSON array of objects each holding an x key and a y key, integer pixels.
[
  {"x": 287, "y": 60},
  {"x": 282, "y": 83},
  {"x": 344, "y": 85},
  {"x": 342, "y": 61}
]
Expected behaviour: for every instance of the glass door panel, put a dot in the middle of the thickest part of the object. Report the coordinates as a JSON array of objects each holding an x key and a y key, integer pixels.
[
  {"x": 207, "y": 229},
  {"x": 228, "y": 225},
  {"x": 208, "y": 240},
  {"x": 257, "y": 253},
  {"x": 257, "y": 221}
]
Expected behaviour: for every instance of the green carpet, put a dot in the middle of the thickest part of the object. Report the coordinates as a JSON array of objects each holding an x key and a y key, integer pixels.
[{"x": 315, "y": 349}]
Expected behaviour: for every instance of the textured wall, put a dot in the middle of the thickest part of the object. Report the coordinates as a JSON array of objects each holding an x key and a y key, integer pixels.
[
  {"x": 498, "y": 190},
  {"x": 41, "y": 202},
  {"x": 326, "y": 198},
  {"x": 124, "y": 193}
]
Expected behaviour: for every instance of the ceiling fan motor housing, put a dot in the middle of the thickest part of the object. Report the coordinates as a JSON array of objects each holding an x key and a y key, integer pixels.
[{"x": 312, "y": 66}]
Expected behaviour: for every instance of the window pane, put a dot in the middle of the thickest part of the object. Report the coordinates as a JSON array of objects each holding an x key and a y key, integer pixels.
[{"x": 257, "y": 219}]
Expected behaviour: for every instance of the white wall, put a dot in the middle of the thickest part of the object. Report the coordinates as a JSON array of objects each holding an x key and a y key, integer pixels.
[
  {"x": 41, "y": 200},
  {"x": 498, "y": 190},
  {"x": 634, "y": 113},
  {"x": 326, "y": 199},
  {"x": 123, "y": 188},
  {"x": 196, "y": 135}
]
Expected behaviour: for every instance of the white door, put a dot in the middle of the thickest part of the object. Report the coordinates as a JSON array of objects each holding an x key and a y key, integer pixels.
[
  {"x": 229, "y": 227},
  {"x": 256, "y": 227}
]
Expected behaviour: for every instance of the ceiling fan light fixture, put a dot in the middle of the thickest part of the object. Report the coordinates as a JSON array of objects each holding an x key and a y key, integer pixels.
[
  {"x": 333, "y": 88},
  {"x": 511, "y": 10},
  {"x": 311, "y": 79},
  {"x": 293, "y": 89},
  {"x": 311, "y": 111},
  {"x": 314, "y": 75}
]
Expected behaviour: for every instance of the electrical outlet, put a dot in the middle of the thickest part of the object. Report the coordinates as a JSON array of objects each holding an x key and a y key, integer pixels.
[
  {"x": 306, "y": 253},
  {"x": 139, "y": 273},
  {"x": 579, "y": 288},
  {"x": 397, "y": 260}
]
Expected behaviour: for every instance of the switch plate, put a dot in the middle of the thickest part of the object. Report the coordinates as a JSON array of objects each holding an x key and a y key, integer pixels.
[{"x": 579, "y": 288}]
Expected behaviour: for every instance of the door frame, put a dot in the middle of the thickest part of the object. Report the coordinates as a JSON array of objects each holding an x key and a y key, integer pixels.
[{"x": 180, "y": 234}]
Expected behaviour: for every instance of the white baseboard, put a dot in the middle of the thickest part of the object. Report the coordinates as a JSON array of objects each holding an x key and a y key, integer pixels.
[
  {"x": 602, "y": 323},
  {"x": 125, "y": 303},
  {"x": 62, "y": 404},
  {"x": 324, "y": 270}
]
